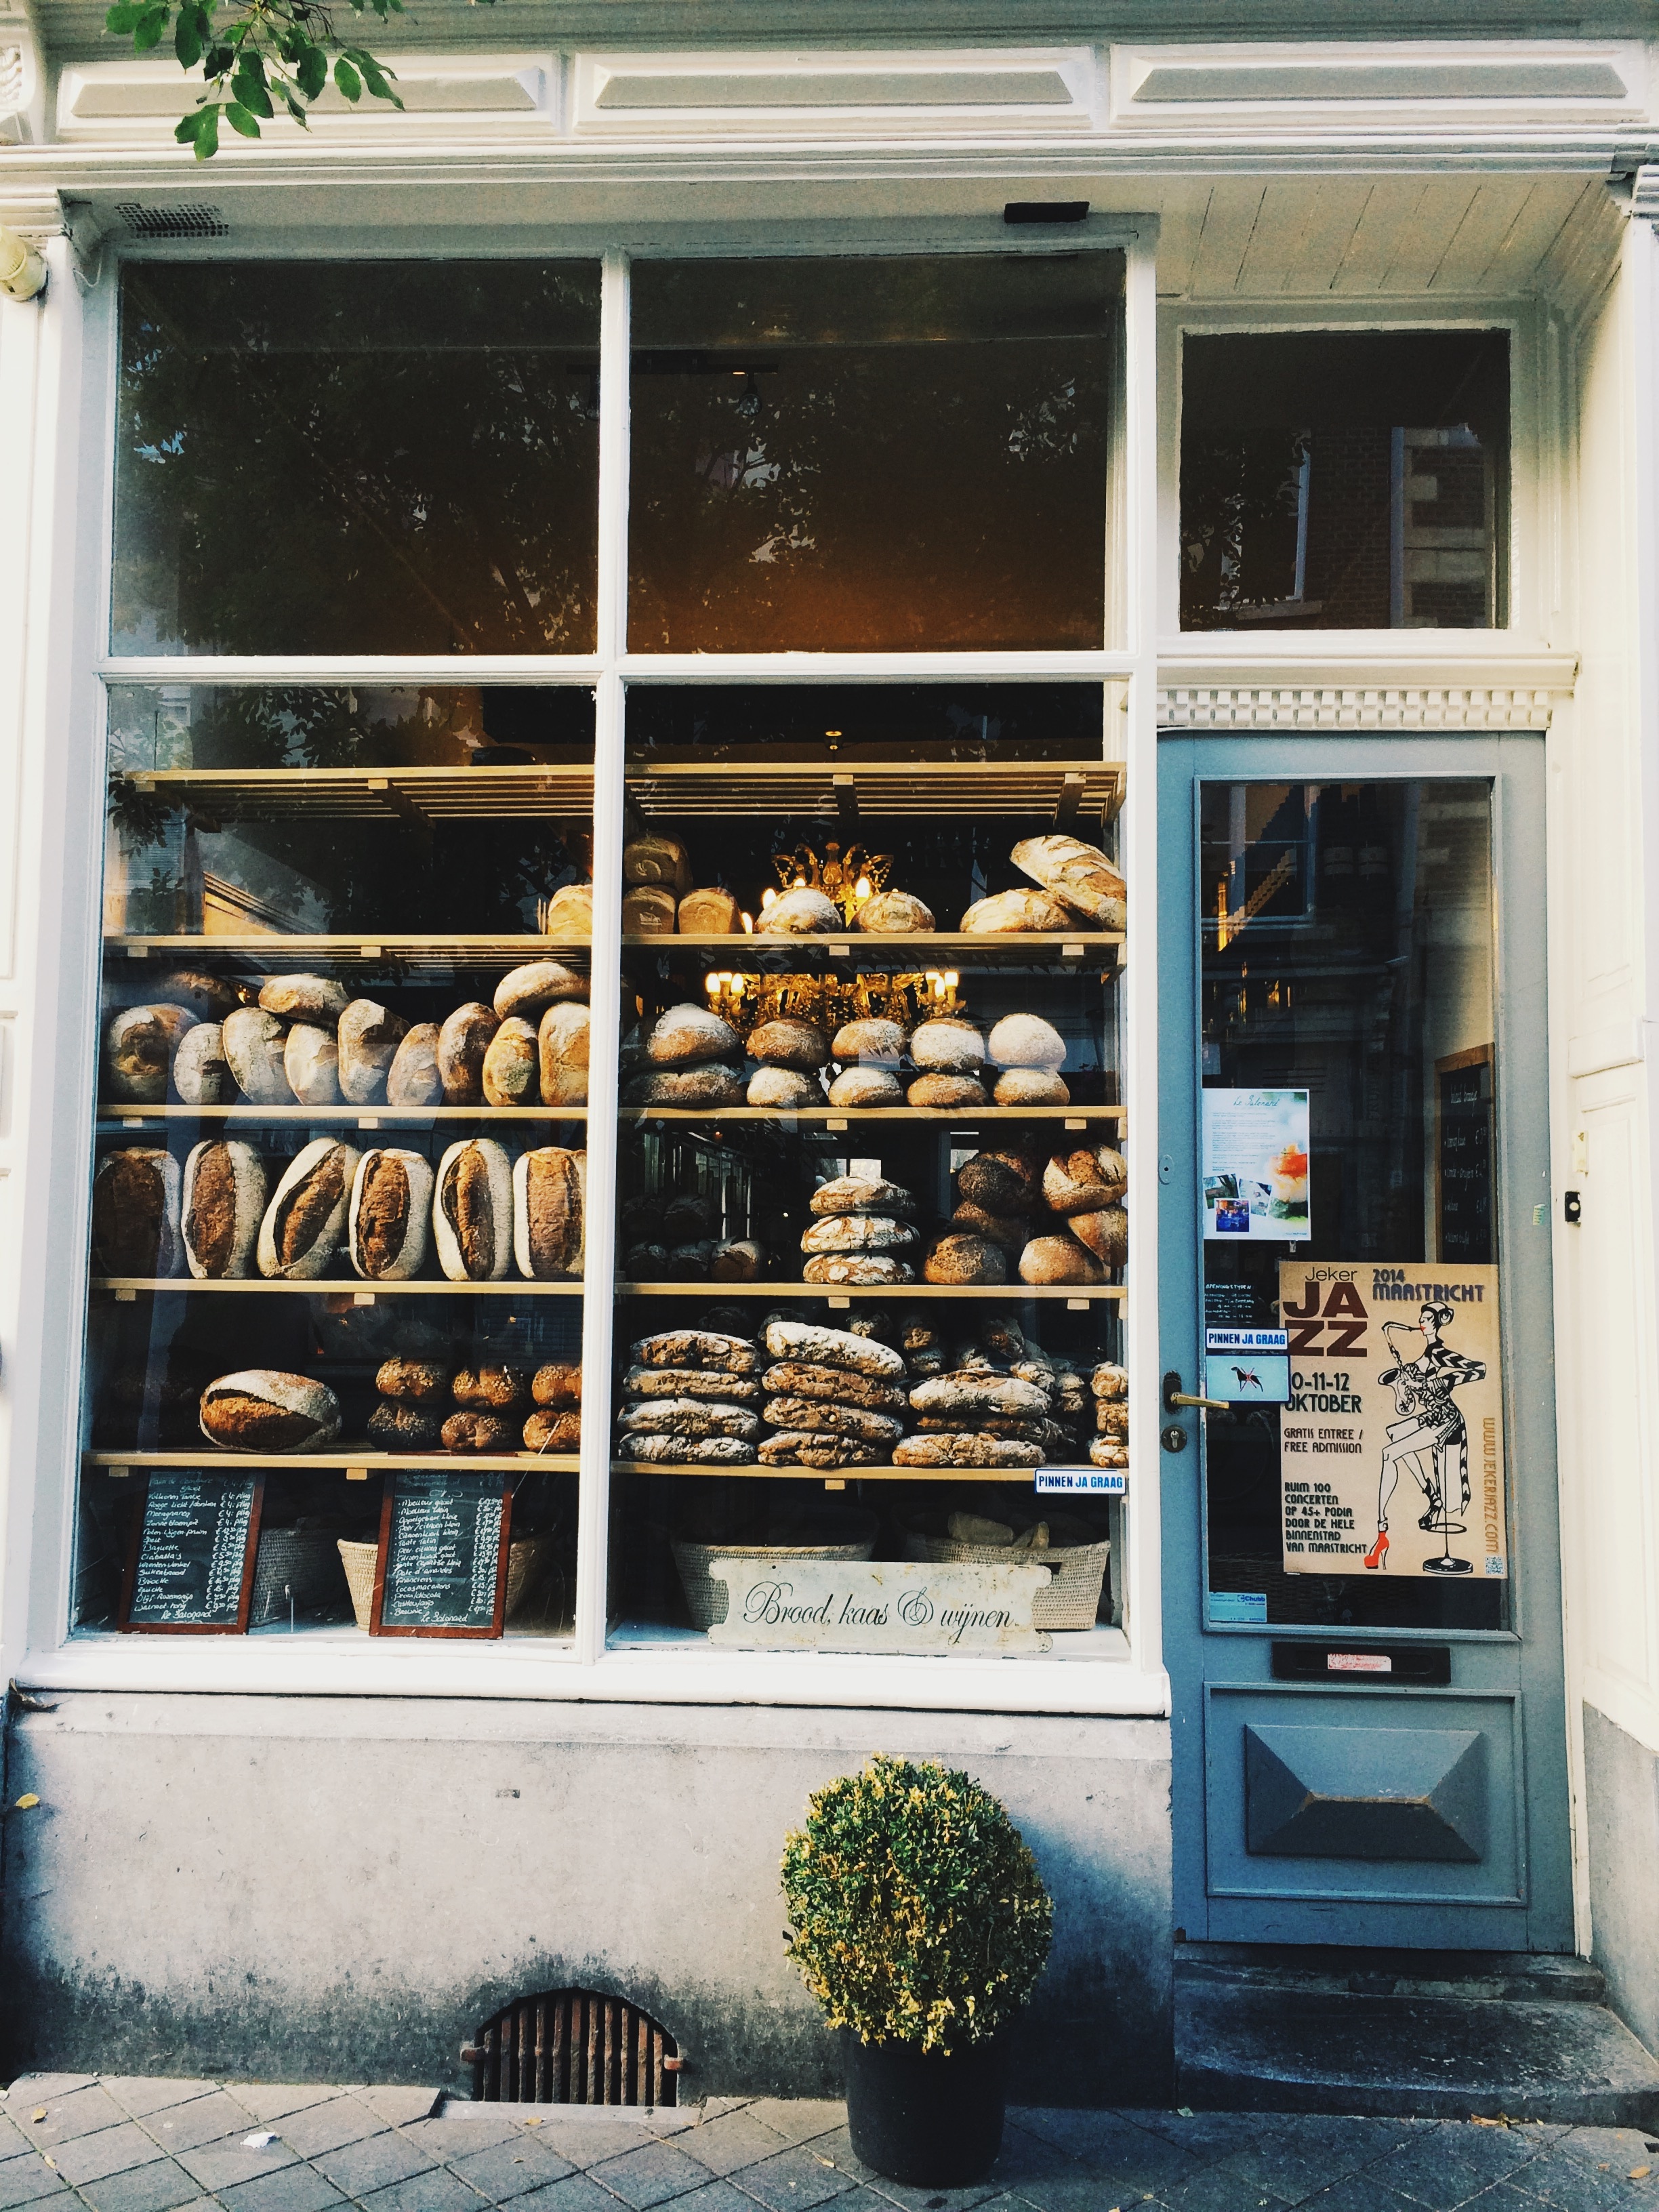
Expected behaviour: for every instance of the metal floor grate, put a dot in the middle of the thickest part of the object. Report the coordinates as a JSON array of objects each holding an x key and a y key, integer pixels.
[{"x": 572, "y": 2047}]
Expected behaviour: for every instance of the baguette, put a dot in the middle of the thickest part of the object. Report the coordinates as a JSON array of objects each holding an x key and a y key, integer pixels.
[
  {"x": 390, "y": 1215},
  {"x": 226, "y": 1191}
]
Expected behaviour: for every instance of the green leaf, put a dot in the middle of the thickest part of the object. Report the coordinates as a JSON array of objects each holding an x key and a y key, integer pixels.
[
  {"x": 186, "y": 128},
  {"x": 207, "y": 136},
  {"x": 346, "y": 77},
  {"x": 124, "y": 18},
  {"x": 311, "y": 69},
  {"x": 374, "y": 76},
  {"x": 190, "y": 35},
  {"x": 150, "y": 26},
  {"x": 295, "y": 110},
  {"x": 239, "y": 120},
  {"x": 250, "y": 96},
  {"x": 219, "y": 60}
]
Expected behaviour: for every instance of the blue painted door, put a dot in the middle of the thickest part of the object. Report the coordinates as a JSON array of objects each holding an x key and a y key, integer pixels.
[{"x": 1362, "y": 1587}]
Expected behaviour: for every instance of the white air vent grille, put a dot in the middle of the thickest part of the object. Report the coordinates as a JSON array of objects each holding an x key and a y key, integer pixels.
[{"x": 197, "y": 222}]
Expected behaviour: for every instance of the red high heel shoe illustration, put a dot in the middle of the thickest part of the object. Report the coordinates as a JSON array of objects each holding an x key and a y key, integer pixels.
[{"x": 1374, "y": 1557}]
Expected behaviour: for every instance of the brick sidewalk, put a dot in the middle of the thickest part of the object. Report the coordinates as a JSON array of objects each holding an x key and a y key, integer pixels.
[{"x": 129, "y": 2145}]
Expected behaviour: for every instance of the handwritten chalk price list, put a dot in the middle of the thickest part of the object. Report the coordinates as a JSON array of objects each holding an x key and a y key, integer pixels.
[
  {"x": 442, "y": 1551},
  {"x": 193, "y": 1550}
]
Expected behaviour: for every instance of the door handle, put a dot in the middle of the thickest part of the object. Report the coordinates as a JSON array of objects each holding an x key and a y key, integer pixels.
[{"x": 1175, "y": 1397}]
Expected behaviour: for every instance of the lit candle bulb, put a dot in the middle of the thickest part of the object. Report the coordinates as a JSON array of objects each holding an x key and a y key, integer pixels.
[
  {"x": 861, "y": 889},
  {"x": 767, "y": 898},
  {"x": 737, "y": 987},
  {"x": 749, "y": 925},
  {"x": 712, "y": 985}
]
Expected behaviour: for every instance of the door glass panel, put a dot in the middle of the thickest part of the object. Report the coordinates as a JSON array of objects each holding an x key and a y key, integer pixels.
[{"x": 1348, "y": 935}]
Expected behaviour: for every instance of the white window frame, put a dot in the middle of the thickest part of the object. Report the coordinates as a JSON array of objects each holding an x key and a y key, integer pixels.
[{"x": 1132, "y": 1683}]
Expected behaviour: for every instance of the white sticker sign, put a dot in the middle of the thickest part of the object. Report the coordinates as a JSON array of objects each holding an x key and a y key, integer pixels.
[
  {"x": 879, "y": 1605},
  {"x": 1255, "y": 1165}
]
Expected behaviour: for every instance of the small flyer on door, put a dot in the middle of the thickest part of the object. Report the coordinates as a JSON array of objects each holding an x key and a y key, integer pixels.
[
  {"x": 1255, "y": 1164},
  {"x": 1391, "y": 1445}
]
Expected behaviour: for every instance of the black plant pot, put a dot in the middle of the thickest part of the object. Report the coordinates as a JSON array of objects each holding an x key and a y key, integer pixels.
[{"x": 924, "y": 2118}]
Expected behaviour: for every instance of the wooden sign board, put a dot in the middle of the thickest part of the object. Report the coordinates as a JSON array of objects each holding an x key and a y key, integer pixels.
[
  {"x": 879, "y": 1605},
  {"x": 190, "y": 1558},
  {"x": 442, "y": 1564}
]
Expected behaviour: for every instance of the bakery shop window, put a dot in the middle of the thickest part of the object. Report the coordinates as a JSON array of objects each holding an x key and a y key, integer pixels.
[
  {"x": 338, "y": 1242},
  {"x": 870, "y": 1237},
  {"x": 1353, "y": 480},
  {"x": 337, "y": 456},
  {"x": 874, "y": 454}
]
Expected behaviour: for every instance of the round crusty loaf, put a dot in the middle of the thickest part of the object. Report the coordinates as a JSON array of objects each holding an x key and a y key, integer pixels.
[
  {"x": 866, "y": 1268},
  {"x": 1005, "y": 1181},
  {"x": 895, "y": 914},
  {"x": 548, "y": 1432},
  {"x": 821, "y": 1416},
  {"x": 558, "y": 1384},
  {"x": 959, "y": 1257},
  {"x": 314, "y": 999},
  {"x": 867, "y": 1086},
  {"x": 805, "y": 1378},
  {"x": 223, "y": 1200},
  {"x": 861, "y": 1194},
  {"x": 947, "y": 1047},
  {"x": 413, "y": 1079},
  {"x": 570, "y": 912},
  {"x": 1017, "y": 912},
  {"x": 697, "y": 1451},
  {"x": 1108, "y": 1380},
  {"x": 1080, "y": 874},
  {"x": 1108, "y": 1451},
  {"x": 710, "y": 1084},
  {"x": 479, "y": 1432},
  {"x": 369, "y": 1035},
  {"x": 1032, "y": 1086},
  {"x": 562, "y": 1045},
  {"x": 709, "y": 913},
  {"x": 736, "y": 1260},
  {"x": 463, "y": 1041},
  {"x": 649, "y": 910},
  {"x": 1010, "y": 1230},
  {"x": 394, "y": 1427},
  {"x": 209, "y": 998},
  {"x": 136, "y": 1211},
  {"x": 803, "y": 1448},
  {"x": 509, "y": 1071},
  {"x": 491, "y": 1390},
  {"x": 201, "y": 1073},
  {"x": 688, "y": 1383},
  {"x": 1059, "y": 1259},
  {"x": 1106, "y": 1234},
  {"x": 1025, "y": 1040},
  {"x": 688, "y": 1034},
  {"x": 262, "y": 1409},
  {"x": 472, "y": 1211},
  {"x": 688, "y": 1417},
  {"x": 529, "y": 991},
  {"x": 947, "y": 1090},
  {"x": 1112, "y": 1417},
  {"x": 656, "y": 858},
  {"x": 311, "y": 1061},
  {"x": 783, "y": 1088},
  {"x": 800, "y": 913},
  {"x": 870, "y": 1042},
  {"x": 833, "y": 1347},
  {"x": 417, "y": 1381},
  {"x": 390, "y": 1214},
  {"x": 965, "y": 1393},
  {"x": 549, "y": 1208},
  {"x": 788, "y": 1043},
  {"x": 965, "y": 1448},
  {"x": 255, "y": 1044},
  {"x": 306, "y": 1220},
  {"x": 1083, "y": 1180},
  {"x": 858, "y": 1232},
  {"x": 696, "y": 1348}
]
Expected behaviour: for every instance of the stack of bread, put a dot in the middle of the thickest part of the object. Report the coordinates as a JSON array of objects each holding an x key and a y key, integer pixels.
[
  {"x": 995, "y": 1404},
  {"x": 413, "y": 1398},
  {"x": 689, "y": 1057},
  {"x": 1076, "y": 887},
  {"x": 491, "y": 1402},
  {"x": 860, "y": 1233},
  {"x": 1089, "y": 1239},
  {"x": 835, "y": 1396},
  {"x": 556, "y": 1426},
  {"x": 1109, "y": 1445},
  {"x": 868, "y": 1052},
  {"x": 791, "y": 1054},
  {"x": 690, "y": 1397},
  {"x": 996, "y": 1191},
  {"x": 658, "y": 900}
]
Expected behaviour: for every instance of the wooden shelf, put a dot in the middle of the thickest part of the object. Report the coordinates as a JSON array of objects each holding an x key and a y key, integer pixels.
[
  {"x": 126, "y": 1287},
  {"x": 284, "y": 955},
  {"x": 907, "y": 951},
  {"x": 371, "y": 1463},
  {"x": 1049, "y": 791},
  {"x": 344, "y": 1117},
  {"x": 718, "y": 1293},
  {"x": 839, "y": 1117},
  {"x": 835, "y": 1478},
  {"x": 417, "y": 796}
]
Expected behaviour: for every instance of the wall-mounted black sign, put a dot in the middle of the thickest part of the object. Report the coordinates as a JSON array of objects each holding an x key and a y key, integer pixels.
[
  {"x": 442, "y": 1568},
  {"x": 190, "y": 1561}
]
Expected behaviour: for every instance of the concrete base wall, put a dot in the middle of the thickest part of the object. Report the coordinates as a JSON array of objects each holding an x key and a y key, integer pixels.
[
  {"x": 1621, "y": 1798},
  {"x": 345, "y": 1889}
]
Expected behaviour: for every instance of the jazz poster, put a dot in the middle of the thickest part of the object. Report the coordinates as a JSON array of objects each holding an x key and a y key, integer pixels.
[
  {"x": 1391, "y": 1445},
  {"x": 1255, "y": 1164}
]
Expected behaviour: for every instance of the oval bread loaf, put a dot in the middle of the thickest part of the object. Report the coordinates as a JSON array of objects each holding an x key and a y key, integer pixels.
[
  {"x": 413, "y": 1079},
  {"x": 959, "y": 1257},
  {"x": 870, "y": 1270},
  {"x": 1010, "y": 1230},
  {"x": 690, "y": 1383},
  {"x": 463, "y": 1041},
  {"x": 736, "y": 1260},
  {"x": 649, "y": 910},
  {"x": 1080, "y": 874},
  {"x": 861, "y": 1194},
  {"x": 1106, "y": 1234},
  {"x": 870, "y": 1041},
  {"x": 570, "y": 912},
  {"x": 688, "y": 1417},
  {"x": 305, "y": 1223},
  {"x": 822, "y": 1416},
  {"x": 558, "y": 1384},
  {"x": 951, "y": 1091},
  {"x": 509, "y": 1074},
  {"x": 782, "y": 1088},
  {"x": 697, "y": 1347},
  {"x": 390, "y": 1216},
  {"x": 688, "y": 1034},
  {"x": 1083, "y": 1180},
  {"x": 226, "y": 1191},
  {"x": 833, "y": 1347},
  {"x": 800, "y": 913},
  {"x": 472, "y": 1211},
  {"x": 417, "y": 1381},
  {"x": 369, "y": 1035},
  {"x": 867, "y": 1086},
  {"x": 805, "y": 1378},
  {"x": 713, "y": 1083},
  {"x": 549, "y": 1207},
  {"x": 1016, "y": 913},
  {"x": 697, "y": 1451},
  {"x": 1005, "y": 1181},
  {"x": 895, "y": 914},
  {"x": 255, "y": 1045},
  {"x": 395, "y": 1427},
  {"x": 311, "y": 1061},
  {"x": 710, "y": 913},
  {"x": 201, "y": 1073},
  {"x": 562, "y": 1046},
  {"x": 550, "y": 1431},
  {"x": 858, "y": 1232},
  {"x": 1059, "y": 1259},
  {"x": 947, "y": 1047},
  {"x": 1108, "y": 1380},
  {"x": 135, "y": 1198},
  {"x": 314, "y": 999},
  {"x": 1025, "y": 1040},
  {"x": 965, "y": 1448},
  {"x": 1032, "y": 1086},
  {"x": 264, "y": 1409},
  {"x": 788, "y": 1043},
  {"x": 529, "y": 991},
  {"x": 209, "y": 998},
  {"x": 479, "y": 1432},
  {"x": 491, "y": 1390},
  {"x": 813, "y": 1448},
  {"x": 979, "y": 1393}
]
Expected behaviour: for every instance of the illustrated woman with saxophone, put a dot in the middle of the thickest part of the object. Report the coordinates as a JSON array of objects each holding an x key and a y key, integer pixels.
[{"x": 1430, "y": 1435}]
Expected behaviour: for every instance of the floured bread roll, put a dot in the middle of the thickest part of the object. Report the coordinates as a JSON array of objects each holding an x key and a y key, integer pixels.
[
  {"x": 1109, "y": 1451},
  {"x": 1080, "y": 874},
  {"x": 1025, "y": 1040},
  {"x": 871, "y": 1041},
  {"x": 867, "y": 1086},
  {"x": 948, "y": 1091},
  {"x": 948, "y": 1046},
  {"x": 710, "y": 1084},
  {"x": 736, "y": 1260},
  {"x": 800, "y": 914},
  {"x": 711, "y": 913},
  {"x": 784, "y": 1087},
  {"x": 570, "y": 912},
  {"x": 305, "y": 1223},
  {"x": 895, "y": 914},
  {"x": 959, "y": 1257},
  {"x": 550, "y": 1190},
  {"x": 687, "y": 1035},
  {"x": 136, "y": 1211},
  {"x": 472, "y": 1211},
  {"x": 390, "y": 1217},
  {"x": 789, "y": 1044},
  {"x": 1031, "y": 1086},
  {"x": 226, "y": 1190},
  {"x": 1019, "y": 912}
]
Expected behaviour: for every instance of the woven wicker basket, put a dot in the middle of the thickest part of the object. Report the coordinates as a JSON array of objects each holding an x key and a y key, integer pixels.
[
  {"x": 1072, "y": 1597},
  {"x": 296, "y": 1568},
  {"x": 707, "y": 1598},
  {"x": 524, "y": 1561}
]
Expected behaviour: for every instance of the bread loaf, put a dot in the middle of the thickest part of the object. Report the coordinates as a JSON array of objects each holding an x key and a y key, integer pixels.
[
  {"x": 1010, "y": 912},
  {"x": 562, "y": 1045},
  {"x": 549, "y": 1432},
  {"x": 956, "y": 1257},
  {"x": 858, "y": 1232},
  {"x": 201, "y": 1073},
  {"x": 305, "y": 1223},
  {"x": 1078, "y": 873},
  {"x": 1083, "y": 1180},
  {"x": 832, "y": 1347},
  {"x": 803, "y": 1448},
  {"x": 822, "y": 1416},
  {"x": 254, "y": 1046},
  {"x": 686, "y": 1036},
  {"x": 1108, "y": 1451},
  {"x": 710, "y": 1084},
  {"x": 413, "y": 1079},
  {"x": 491, "y": 1390},
  {"x": 311, "y": 1061},
  {"x": 135, "y": 1198},
  {"x": 693, "y": 1347},
  {"x": 788, "y": 1043},
  {"x": 463, "y": 1041},
  {"x": 529, "y": 991},
  {"x": 1112, "y": 1417},
  {"x": 509, "y": 1074},
  {"x": 226, "y": 1190},
  {"x": 800, "y": 913},
  {"x": 947, "y": 1090},
  {"x": 690, "y": 1383},
  {"x": 1025, "y": 1040},
  {"x": 970, "y": 1394},
  {"x": 895, "y": 914},
  {"x": 948, "y": 1046},
  {"x": 866, "y": 1086},
  {"x": 870, "y": 1270},
  {"x": 655, "y": 857},
  {"x": 783, "y": 1089},
  {"x": 1108, "y": 1380},
  {"x": 390, "y": 1215},
  {"x": 689, "y": 1215},
  {"x": 1060, "y": 1259},
  {"x": 870, "y": 1042},
  {"x": 963, "y": 1448},
  {"x": 417, "y": 1381},
  {"x": 688, "y": 1417},
  {"x": 1031, "y": 1086},
  {"x": 209, "y": 998},
  {"x": 549, "y": 1192},
  {"x": 711, "y": 913},
  {"x": 1010, "y": 1230},
  {"x": 570, "y": 912},
  {"x": 861, "y": 1194},
  {"x": 1006, "y": 1181},
  {"x": 472, "y": 1211},
  {"x": 692, "y": 1452},
  {"x": 736, "y": 1260},
  {"x": 803, "y": 1378},
  {"x": 369, "y": 1035},
  {"x": 479, "y": 1432},
  {"x": 1106, "y": 1234},
  {"x": 649, "y": 910},
  {"x": 262, "y": 1409},
  {"x": 558, "y": 1384},
  {"x": 317, "y": 1000},
  {"x": 395, "y": 1427}
]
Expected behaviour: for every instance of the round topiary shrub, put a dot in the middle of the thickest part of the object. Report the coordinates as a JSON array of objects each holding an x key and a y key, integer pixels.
[{"x": 919, "y": 1914}]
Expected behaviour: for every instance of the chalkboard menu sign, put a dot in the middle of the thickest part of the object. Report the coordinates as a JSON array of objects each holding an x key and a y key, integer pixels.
[
  {"x": 442, "y": 1568},
  {"x": 1463, "y": 1163},
  {"x": 190, "y": 1563}
]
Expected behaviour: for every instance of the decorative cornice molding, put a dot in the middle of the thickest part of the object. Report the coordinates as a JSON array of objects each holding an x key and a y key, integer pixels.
[{"x": 1357, "y": 707}]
